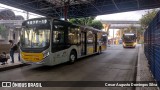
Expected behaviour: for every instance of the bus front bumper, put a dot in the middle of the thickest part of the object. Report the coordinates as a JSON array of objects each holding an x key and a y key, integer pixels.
[
  {"x": 129, "y": 44},
  {"x": 44, "y": 61}
]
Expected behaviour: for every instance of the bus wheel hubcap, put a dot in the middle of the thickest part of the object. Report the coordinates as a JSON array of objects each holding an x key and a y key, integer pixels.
[{"x": 72, "y": 57}]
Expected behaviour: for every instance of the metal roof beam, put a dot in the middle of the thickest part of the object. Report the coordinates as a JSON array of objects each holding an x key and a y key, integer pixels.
[
  {"x": 29, "y": 7},
  {"x": 96, "y": 7},
  {"x": 81, "y": 8},
  {"x": 28, "y": 2},
  {"x": 137, "y": 3},
  {"x": 115, "y": 5}
]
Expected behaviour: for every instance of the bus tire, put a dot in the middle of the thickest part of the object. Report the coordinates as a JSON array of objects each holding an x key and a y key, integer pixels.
[
  {"x": 72, "y": 57},
  {"x": 100, "y": 50}
]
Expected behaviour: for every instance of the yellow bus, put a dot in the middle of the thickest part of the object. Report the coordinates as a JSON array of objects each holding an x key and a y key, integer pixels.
[
  {"x": 50, "y": 41},
  {"x": 129, "y": 40}
]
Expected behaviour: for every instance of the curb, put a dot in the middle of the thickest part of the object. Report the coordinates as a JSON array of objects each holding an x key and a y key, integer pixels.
[
  {"x": 138, "y": 68},
  {"x": 13, "y": 67},
  {"x": 138, "y": 65}
]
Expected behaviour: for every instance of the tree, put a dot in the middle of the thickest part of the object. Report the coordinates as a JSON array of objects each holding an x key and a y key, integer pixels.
[
  {"x": 147, "y": 18},
  {"x": 75, "y": 21},
  {"x": 96, "y": 24},
  {"x": 82, "y": 21},
  {"x": 130, "y": 29},
  {"x": 3, "y": 31},
  {"x": 87, "y": 21}
]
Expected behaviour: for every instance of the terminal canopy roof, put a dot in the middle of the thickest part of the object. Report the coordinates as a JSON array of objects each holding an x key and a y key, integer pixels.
[{"x": 80, "y": 8}]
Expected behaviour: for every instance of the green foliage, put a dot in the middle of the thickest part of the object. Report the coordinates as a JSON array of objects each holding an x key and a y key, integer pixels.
[
  {"x": 88, "y": 21},
  {"x": 96, "y": 24},
  {"x": 3, "y": 31},
  {"x": 147, "y": 18},
  {"x": 75, "y": 21},
  {"x": 82, "y": 21},
  {"x": 130, "y": 29}
]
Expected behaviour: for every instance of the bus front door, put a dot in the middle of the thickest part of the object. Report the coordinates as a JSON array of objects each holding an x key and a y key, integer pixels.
[
  {"x": 95, "y": 42},
  {"x": 83, "y": 43}
]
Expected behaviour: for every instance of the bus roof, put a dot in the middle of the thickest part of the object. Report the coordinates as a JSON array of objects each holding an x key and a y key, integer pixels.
[{"x": 66, "y": 23}]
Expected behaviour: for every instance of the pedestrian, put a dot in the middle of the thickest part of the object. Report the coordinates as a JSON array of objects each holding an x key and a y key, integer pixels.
[
  {"x": 18, "y": 44},
  {"x": 108, "y": 42},
  {"x": 3, "y": 58},
  {"x": 12, "y": 50}
]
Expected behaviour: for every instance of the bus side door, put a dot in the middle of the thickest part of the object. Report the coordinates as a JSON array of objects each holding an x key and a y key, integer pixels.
[
  {"x": 59, "y": 47},
  {"x": 83, "y": 43}
]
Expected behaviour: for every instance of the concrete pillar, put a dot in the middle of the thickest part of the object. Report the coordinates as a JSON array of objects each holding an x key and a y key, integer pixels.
[{"x": 17, "y": 34}]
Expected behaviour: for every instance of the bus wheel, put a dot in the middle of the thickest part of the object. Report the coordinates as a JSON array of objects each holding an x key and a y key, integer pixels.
[{"x": 72, "y": 57}]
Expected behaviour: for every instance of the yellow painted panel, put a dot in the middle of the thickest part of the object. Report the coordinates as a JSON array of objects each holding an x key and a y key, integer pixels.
[
  {"x": 90, "y": 50},
  {"x": 97, "y": 48},
  {"x": 32, "y": 57},
  {"x": 104, "y": 47}
]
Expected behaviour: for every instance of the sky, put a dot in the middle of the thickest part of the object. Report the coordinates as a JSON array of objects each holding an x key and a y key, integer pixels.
[{"x": 132, "y": 15}]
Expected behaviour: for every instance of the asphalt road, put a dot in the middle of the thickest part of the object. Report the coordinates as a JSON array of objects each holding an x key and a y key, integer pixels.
[{"x": 114, "y": 64}]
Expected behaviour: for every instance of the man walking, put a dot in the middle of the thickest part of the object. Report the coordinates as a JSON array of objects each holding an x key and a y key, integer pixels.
[
  {"x": 12, "y": 50},
  {"x": 18, "y": 45}
]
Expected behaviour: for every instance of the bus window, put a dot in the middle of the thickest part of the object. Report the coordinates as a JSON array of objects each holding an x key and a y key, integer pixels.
[
  {"x": 104, "y": 38},
  {"x": 73, "y": 36},
  {"x": 90, "y": 38},
  {"x": 35, "y": 37},
  {"x": 58, "y": 36}
]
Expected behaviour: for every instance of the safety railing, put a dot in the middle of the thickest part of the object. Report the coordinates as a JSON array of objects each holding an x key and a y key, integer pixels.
[{"x": 152, "y": 47}]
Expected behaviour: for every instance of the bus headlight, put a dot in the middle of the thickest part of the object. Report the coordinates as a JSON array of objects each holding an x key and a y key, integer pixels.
[{"x": 45, "y": 54}]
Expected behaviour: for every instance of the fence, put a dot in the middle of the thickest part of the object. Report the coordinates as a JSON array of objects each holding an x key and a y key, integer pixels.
[{"x": 152, "y": 47}]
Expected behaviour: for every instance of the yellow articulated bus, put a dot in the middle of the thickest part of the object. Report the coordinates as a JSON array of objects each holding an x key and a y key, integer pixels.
[{"x": 50, "y": 41}]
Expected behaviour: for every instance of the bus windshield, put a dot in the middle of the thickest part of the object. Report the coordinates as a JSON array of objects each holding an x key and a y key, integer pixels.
[
  {"x": 35, "y": 37},
  {"x": 129, "y": 38}
]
